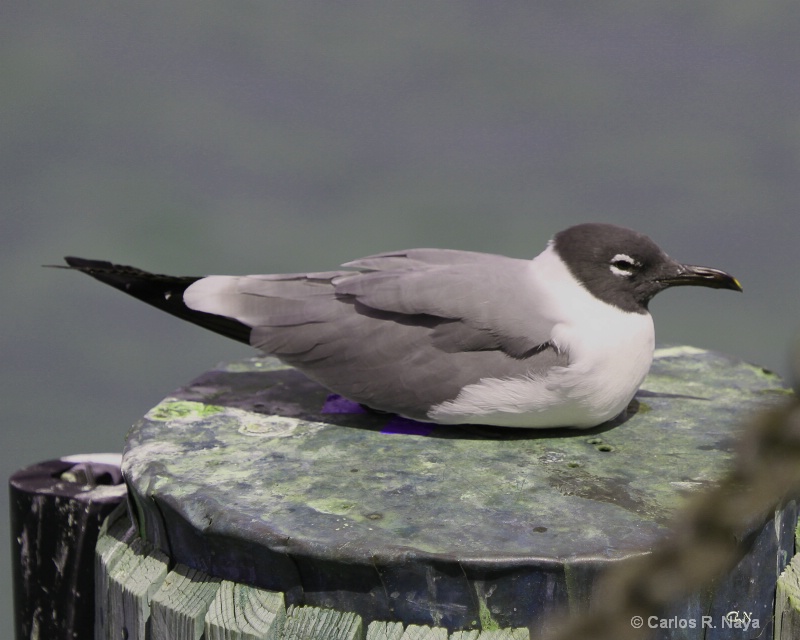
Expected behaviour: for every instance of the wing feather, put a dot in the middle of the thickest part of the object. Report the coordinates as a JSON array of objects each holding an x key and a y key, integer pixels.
[{"x": 482, "y": 294}]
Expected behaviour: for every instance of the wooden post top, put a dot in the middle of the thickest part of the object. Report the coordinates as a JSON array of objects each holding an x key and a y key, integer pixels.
[{"x": 253, "y": 473}]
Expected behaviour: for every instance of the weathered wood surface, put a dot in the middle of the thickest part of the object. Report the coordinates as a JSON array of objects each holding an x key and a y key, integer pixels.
[
  {"x": 129, "y": 571},
  {"x": 385, "y": 631},
  {"x": 57, "y": 508},
  {"x": 787, "y": 602},
  {"x": 138, "y": 598},
  {"x": 252, "y": 474},
  {"x": 240, "y": 612},
  {"x": 312, "y": 623},
  {"x": 180, "y": 605},
  {"x": 496, "y": 634}
]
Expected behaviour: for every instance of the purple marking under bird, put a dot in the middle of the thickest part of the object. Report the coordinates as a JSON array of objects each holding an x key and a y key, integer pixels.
[{"x": 444, "y": 336}]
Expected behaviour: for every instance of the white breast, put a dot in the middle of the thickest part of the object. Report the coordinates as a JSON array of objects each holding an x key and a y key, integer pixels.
[{"x": 609, "y": 353}]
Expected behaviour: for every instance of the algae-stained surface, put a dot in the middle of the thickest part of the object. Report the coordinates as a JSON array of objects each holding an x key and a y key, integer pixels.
[{"x": 253, "y": 447}]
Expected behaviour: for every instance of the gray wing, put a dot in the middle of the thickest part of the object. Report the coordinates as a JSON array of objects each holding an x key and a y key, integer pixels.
[
  {"x": 405, "y": 331},
  {"x": 481, "y": 296}
]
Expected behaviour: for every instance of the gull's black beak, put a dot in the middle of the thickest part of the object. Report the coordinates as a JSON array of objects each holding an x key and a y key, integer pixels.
[{"x": 690, "y": 275}]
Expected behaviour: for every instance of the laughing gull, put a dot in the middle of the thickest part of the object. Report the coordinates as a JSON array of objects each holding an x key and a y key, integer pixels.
[{"x": 445, "y": 336}]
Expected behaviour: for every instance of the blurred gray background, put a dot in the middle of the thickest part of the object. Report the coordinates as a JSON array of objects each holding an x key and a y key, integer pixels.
[{"x": 194, "y": 137}]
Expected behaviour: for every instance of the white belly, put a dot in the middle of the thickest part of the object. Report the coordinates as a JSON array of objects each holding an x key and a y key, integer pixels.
[{"x": 596, "y": 386}]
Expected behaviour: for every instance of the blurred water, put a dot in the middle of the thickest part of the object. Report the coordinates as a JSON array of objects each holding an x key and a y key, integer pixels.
[{"x": 196, "y": 138}]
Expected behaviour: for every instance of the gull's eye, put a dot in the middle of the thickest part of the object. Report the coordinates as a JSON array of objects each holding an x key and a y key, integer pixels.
[{"x": 622, "y": 265}]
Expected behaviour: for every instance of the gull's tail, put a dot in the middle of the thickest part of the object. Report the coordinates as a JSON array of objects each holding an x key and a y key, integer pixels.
[{"x": 161, "y": 291}]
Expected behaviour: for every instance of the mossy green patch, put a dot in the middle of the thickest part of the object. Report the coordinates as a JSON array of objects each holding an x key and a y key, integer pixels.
[
  {"x": 182, "y": 409},
  {"x": 488, "y": 623},
  {"x": 776, "y": 392}
]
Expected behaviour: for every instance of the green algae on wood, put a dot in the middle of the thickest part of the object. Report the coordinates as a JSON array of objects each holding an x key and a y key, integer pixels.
[{"x": 264, "y": 488}]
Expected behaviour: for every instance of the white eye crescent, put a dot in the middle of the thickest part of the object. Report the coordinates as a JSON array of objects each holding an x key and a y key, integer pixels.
[{"x": 623, "y": 265}]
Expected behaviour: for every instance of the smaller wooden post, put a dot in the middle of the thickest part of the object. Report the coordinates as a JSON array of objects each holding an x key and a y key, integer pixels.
[{"x": 57, "y": 507}]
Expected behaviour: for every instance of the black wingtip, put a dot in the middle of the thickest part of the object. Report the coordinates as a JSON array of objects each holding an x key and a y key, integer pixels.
[
  {"x": 83, "y": 263},
  {"x": 98, "y": 268},
  {"x": 161, "y": 291},
  {"x": 77, "y": 263}
]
